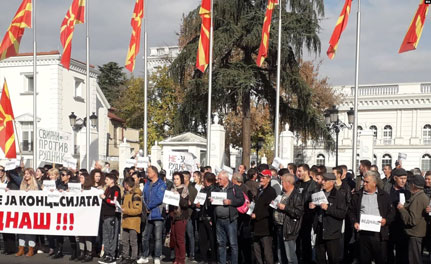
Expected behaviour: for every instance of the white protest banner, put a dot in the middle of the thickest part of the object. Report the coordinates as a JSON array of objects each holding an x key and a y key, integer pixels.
[
  {"x": 31, "y": 213},
  {"x": 171, "y": 198},
  {"x": 10, "y": 165},
  {"x": 54, "y": 146},
  {"x": 218, "y": 197},
  {"x": 276, "y": 163},
  {"x": 251, "y": 208},
  {"x": 200, "y": 198},
  {"x": 370, "y": 223},
  {"x": 402, "y": 198},
  {"x": 130, "y": 163},
  {"x": 319, "y": 198},
  {"x": 276, "y": 201},
  {"x": 74, "y": 187},
  {"x": 49, "y": 185},
  {"x": 180, "y": 161},
  {"x": 143, "y": 162},
  {"x": 53, "y": 196}
]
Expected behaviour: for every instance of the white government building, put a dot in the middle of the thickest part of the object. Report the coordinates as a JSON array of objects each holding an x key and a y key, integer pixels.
[{"x": 397, "y": 119}]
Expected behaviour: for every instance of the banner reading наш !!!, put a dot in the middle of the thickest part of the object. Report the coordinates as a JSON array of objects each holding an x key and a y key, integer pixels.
[{"x": 33, "y": 212}]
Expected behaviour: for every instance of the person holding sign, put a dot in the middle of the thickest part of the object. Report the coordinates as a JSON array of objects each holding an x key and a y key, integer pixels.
[
  {"x": 372, "y": 201},
  {"x": 412, "y": 214},
  {"x": 179, "y": 216},
  {"x": 328, "y": 221}
]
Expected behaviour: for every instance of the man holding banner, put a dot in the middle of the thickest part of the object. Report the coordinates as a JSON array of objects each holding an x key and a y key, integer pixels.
[{"x": 372, "y": 201}]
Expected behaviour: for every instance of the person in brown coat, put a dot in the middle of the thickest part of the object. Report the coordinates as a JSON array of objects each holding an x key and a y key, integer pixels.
[{"x": 131, "y": 224}]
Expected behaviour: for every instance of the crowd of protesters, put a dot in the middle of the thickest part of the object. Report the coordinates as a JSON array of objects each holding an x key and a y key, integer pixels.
[{"x": 268, "y": 216}]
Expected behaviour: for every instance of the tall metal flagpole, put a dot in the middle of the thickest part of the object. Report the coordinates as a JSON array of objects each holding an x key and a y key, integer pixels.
[
  {"x": 87, "y": 82},
  {"x": 34, "y": 87},
  {"x": 277, "y": 101},
  {"x": 355, "y": 124},
  {"x": 145, "y": 81},
  {"x": 210, "y": 83}
]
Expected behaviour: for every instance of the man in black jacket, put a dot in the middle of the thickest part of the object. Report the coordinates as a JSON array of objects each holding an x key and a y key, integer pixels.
[
  {"x": 328, "y": 220},
  {"x": 289, "y": 215},
  {"x": 371, "y": 200},
  {"x": 262, "y": 220}
]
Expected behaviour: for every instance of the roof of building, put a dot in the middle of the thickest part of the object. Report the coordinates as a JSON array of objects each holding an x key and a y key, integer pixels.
[
  {"x": 113, "y": 116},
  {"x": 187, "y": 137}
]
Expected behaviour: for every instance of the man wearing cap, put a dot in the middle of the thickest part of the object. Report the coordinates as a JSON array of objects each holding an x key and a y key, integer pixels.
[
  {"x": 412, "y": 214},
  {"x": 398, "y": 239},
  {"x": 328, "y": 221}
]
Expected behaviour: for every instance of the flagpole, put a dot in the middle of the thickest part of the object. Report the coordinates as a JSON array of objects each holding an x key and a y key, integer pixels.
[
  {"x": 210, "y": 83},
  {"x": 34, "y": 87},
  {"x": 87, "y": 82},
  {"x": 355, "y": 124},
  {"x": 17, "y": 138},
  {"x": 145, "y": 82},
  {"x": 277, "y": 100}
]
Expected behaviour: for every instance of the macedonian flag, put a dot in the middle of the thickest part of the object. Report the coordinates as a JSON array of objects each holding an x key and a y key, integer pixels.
[
  {"x": 414, "y": 33},
  {"x": 135, "y": 40},
  {"x": 75, "y": 15},
  {"x": 10, "y": 44},
  {"x": 263, "y": 49},
  {"x": 7, "y": 135},
  {"x": 339, "y": 28},
  {"x": 203, "y": 56}
]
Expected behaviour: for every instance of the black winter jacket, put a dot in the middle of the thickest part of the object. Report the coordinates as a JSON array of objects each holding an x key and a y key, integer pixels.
[
  {"x": 262, "y": 224},
  {"x": 293, "y": 210}
]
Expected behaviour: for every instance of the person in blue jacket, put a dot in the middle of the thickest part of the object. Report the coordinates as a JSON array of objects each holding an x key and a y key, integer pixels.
[{"x": 154, "y": 190}]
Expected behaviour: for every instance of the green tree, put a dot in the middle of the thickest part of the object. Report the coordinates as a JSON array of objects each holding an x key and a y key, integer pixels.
[
  {"x": 111, "y": 80},
  {"x": 237, "y": 81}
]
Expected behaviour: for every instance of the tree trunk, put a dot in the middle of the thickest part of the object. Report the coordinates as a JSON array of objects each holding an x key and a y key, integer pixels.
[{"x": 246, "y": 126}]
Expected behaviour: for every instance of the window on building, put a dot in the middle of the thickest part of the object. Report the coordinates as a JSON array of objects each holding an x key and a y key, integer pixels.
[
  {"x": 426, "y": 134},
  {"x": 27, "y": 136},
  {"x": 320, "y": 160},
  {"x": 387, "y": 134},
  {"x": 426, "y": 162},
  {"x": 360, "y": 128},
  {"x": 374, "y": 129},
  {"x": 386, "y": 160},
  {"x": 29, "y": 85},
  {"x": 299, "y": 159},
  {"x": 79, "y": 84}
]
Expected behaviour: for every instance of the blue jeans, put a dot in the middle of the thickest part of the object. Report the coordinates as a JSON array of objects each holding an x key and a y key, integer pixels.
[
  {"x": 190, "y": 231},
  {"x": 157, "y": 226},
  {"x": 290, "y": 249},
  {"x": 225, "y": 230}
]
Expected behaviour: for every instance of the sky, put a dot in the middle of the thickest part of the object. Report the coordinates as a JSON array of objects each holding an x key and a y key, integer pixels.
[{"x": 383, "y": 27}]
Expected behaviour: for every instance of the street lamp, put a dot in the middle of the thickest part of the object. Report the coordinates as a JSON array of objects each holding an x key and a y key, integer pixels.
[
  {"x": 259, "y": 145},
  {"x": 78, "y": 123},
  {"x": 333, "y": 123}
]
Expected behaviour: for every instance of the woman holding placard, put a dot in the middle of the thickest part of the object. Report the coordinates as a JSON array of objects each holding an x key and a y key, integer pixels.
[{"x": 179, "y": 216}]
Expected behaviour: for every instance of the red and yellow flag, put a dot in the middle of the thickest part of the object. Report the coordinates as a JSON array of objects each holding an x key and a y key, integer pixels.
[
  {"x": 7, "y": 134},
  {"x": 339, "y": 28},
  {"x": 135, "y": 40},
  {"x": 75, "y": 15},
  {"x": 203, "y": 56},
  {"x": 22, "y": 19},
  {"x": 263, "y": 49},
  {"x": 414, "y": 33}
]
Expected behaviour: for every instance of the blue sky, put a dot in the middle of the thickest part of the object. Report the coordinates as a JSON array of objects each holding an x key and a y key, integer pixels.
[{"x": 384, "y": 24}]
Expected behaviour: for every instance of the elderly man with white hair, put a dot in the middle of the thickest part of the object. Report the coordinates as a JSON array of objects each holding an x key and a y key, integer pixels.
[{"x": 226, "y": 216}]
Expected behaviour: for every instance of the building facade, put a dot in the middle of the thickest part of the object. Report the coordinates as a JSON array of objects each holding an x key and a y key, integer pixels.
[
  {"x": 161, "y": 56},
  {"x": 397, "y": 115}
]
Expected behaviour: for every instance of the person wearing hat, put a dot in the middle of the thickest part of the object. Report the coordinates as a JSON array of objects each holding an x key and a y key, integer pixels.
[
  {"x": 328, "y": 221},
  {"x": 412, "y": 214}
]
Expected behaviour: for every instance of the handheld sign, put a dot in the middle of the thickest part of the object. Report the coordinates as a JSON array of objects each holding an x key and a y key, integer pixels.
[
  {"x": 142, "y": 162},
  {"x": 10, "y": 165},
  {"x": 251, "y": 208},
  {"x": 200, "y": 198},
  {"x": 276, "y": 163},
  {"x": 70, "y": 163},
  {"x": 171, "y": 198},
  {"x": 218, "y": 197},
  {"x": 370, "y": 223},
  {"x": 319, "y": 198},
  {"x": 49, "y": 185},
  {"x": 276, "y": 201},
  {"x": 402, "y": 198},
  {"x": 130, "y": 163},
  {"x": 74, "y": 187}
]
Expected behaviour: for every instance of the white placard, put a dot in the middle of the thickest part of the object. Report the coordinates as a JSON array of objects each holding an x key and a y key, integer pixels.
[
  {"x": 74, "y": 187},
  {"x": 402, "y": 198},
  {"x": 276, "y": 163},
  {"x": 251, "y": 208},
  {"x": 171, "y": 198},
  {"x": 143, "y": 162},
  {"x": 276, "y": 201},
  {"x": 130, "y": 163},
  {"x": 200, "y": 198},
  {"x": 370, "y": 223},
  {"x": 53, "y": 197},
  {"x": 180, "y": 161},
  {"x": 54, "y": 146},
  {"x": 402, "y": 156},
  {"x": 318, "y": 198},
  {"x": 70, "y": 163},
  {"x": 10, "y": 165},
  {"x": 218, "y": 197},
  {"x": 49, "y": 185}
]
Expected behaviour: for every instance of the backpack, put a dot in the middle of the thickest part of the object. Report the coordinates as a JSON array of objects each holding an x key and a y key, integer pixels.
[{"x": 243, "y": 208}]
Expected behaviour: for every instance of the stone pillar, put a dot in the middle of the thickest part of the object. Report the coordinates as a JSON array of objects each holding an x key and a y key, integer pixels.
[
  {"x": 264, "y": 160},
  {"x": 124, "y": 154},
  {"x": 234, "y": 153},
  {"x": 217, "y": 143},
  {"x": 366, "y": 148},
  {"x": 287, "y": 141},
  {"x": 156, "y": 156}
]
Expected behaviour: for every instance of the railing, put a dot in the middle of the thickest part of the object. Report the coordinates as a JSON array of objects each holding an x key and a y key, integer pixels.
[{"x": 377, "y": 90}]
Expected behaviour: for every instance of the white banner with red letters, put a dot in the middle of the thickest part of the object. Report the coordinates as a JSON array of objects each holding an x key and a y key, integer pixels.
[{"x": 33, "y": 212}]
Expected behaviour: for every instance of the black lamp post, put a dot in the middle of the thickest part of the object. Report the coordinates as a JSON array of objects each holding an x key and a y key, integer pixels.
[
  {"x": 78, "y": 123},
  {"x": 259, "y": 145},
  {"x": 333, "y": 123}
]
